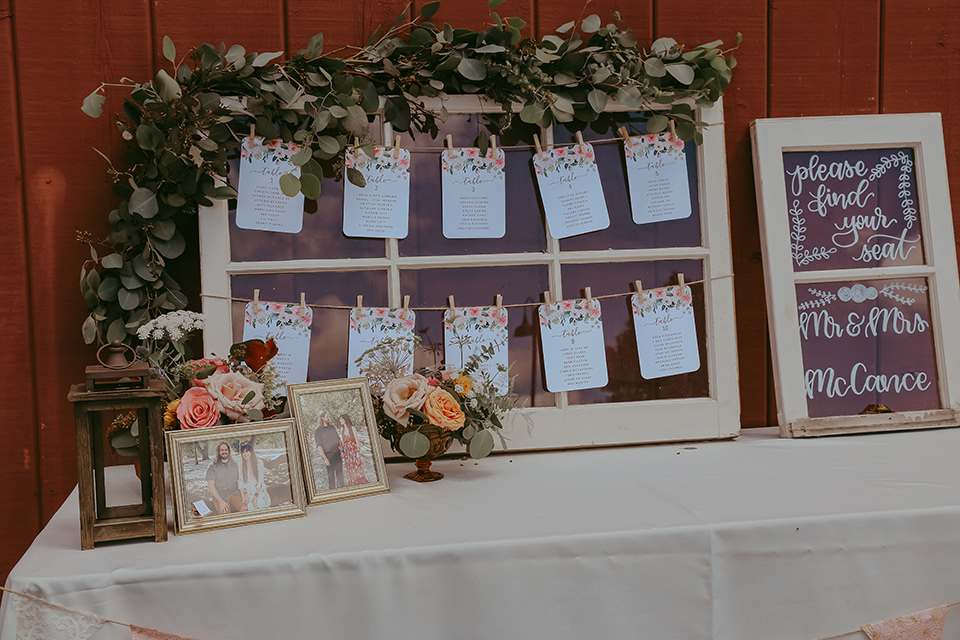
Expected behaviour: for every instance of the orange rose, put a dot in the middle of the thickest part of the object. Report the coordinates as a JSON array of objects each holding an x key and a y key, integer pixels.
[{"x": 443, "y": 410}]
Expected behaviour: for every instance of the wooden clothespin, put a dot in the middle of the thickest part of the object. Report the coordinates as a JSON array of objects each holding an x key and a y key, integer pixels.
[
  {"x": 453, "y": 307},
  {"x": 356, "y": 142},
  {"x": 624, "y": 133},
  {"x": 580, "y": 141},
  {"x": 639, "y": 286},
  {"x": 406, "y": 302},
  {"x": 536, "y": 143},
  {"x": 587, "y": 294},
  {"x": 673, "y": 129},
  {"x": 396, "y": 147},
  {"x": 680, "y": 280},
  {"x": 499, "y": 303},
  {"x": 493, "y": 143},
  {"x": 253, "y": 131},
  {"x": 546, "y": 298},
  {"x": 359, "y": 304},
  {"x": 303, "y": 301},
  {"x": 256, "y": 300},
  {"x": 449, "y": 142}
]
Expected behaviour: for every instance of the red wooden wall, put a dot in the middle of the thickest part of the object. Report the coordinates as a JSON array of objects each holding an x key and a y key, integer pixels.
[{"x": 815, "y": 57}]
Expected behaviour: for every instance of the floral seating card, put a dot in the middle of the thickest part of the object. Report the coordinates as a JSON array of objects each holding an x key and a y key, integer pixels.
[
  {"x": 381, "y": 209},
  {"x": 666, "y": 332},
  {"x": 371, "y": 325},
  {"x": 289, "y": 326},
  {"x": 574, "y": 354},
  {"x": 468, "y": 331},
  {"x": 260, "y": 202},
  {"x": 570, "y": 188},
  {"x": 474, "y": 193},
  {"x": 657, "y": 174}
]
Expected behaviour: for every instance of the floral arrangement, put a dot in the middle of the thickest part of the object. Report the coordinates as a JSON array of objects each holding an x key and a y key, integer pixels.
[
  {"x": 202, "y": 392},
  {"x": 463, "y": 402}
]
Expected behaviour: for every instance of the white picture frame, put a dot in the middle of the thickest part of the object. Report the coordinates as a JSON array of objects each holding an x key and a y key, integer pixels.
[
  {"x": 785, "y": 274},
  {"x": 714, "y": 415}
]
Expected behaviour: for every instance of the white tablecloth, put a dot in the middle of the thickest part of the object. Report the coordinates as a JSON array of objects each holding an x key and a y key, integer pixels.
[{"x": 758, "y": 538}]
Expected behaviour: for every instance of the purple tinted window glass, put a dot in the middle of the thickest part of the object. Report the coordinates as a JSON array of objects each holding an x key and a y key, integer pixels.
[
  {"x": 852, "y": 209},
  {"x": 328, "y": 342},
  {"x": 623, "y": 233},
  {"x": 478, "y": 286},
  {"x": 867, "y": 343},
  {"x": 623, "y": 365},
  {"x": 525, "y": 230}
]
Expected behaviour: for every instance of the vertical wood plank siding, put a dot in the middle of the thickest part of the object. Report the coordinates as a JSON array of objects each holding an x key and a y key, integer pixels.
[{"x": 819, "y": 57}]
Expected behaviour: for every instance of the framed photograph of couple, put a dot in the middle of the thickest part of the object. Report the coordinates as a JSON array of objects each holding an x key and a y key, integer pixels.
[
  {"x": 235, "y": 474},
  {"x": 339, "y": 440}
]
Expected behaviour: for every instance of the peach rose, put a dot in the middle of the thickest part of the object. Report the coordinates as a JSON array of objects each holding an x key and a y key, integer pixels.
[
  {"x": 443, "y": 410},
  {"x": 402, "y": 394},
  {"x": 197, "y": 409},
  {"x": 230, "y": 389}
]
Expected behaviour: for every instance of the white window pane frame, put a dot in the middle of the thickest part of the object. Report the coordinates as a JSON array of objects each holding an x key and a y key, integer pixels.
[
  {"x": 923, "y": 133},
  {"x": 563, "y": 425}
]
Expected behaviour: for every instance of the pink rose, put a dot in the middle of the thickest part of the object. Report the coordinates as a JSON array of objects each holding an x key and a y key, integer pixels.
[
  {"x": 560, "y": 151},
  {"x": 473, "y": 152},
  {"x": 230, "y": 389},
  {"x": 403, "y": 394},
  {"x": 197, "y": 409}
]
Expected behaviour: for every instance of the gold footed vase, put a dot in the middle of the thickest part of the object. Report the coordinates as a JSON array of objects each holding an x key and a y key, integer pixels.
[{"x": 440, "y": 441}]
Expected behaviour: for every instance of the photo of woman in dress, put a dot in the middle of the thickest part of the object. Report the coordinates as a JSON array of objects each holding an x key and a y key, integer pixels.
[
  {"x": 253, "y": 489},
  {"x": 350, "y": 450}
]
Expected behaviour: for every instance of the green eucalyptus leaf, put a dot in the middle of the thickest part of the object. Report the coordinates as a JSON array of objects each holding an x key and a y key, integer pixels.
[
  {"x": 112, "y": 261},
  {"x": 481, "y": 444},
  {"x": 472, "y": 69},
  {"x": 167, "y": 88},
  {"x": 414, "y": 444},
  {"x": 131, "y": 281},
  {"x": 178, "y": 298},
  {"x": 328, "y": 145},
  {"x": 301, "y": 157},
  {"x": 123, "y": 439},
  {"x": 289, "y": 184},
  {"x": 654, "y": 67},
  {"x": 531, "y": 114},
  {"x": 143, "y": 269},
  {"x": 93, "y": 104},
  {"x": 662, "y": 45},
  {"x": 490, "y": 48},
  {"x": 682, "y": 72},
  {"x": 149, "y": 137},
  {"x": 315, "y": 46},
  {"x": 566, "y": 27},
  {"x": 356, "y": 121},
  {"x": 590, "y": 24},
  {"x": 89, "y": 330},
  {"x": 657, "y": 123},
  {"x": 492, "y": 4},
  {"x": 264, "y": 58},
  {"x": 171, "y": 248},
  {"x": 235, "y": 55},
  {"x": 169, "y": 50},
  {"x": 310, "y": 186},
  {"x": 356, "y": 177},
  {"x": 255, "y": 415},
  {"x": 128, "y": 299},
  {"x": 116, "y": 331},
  {"x": 629, "y": 96},
  {"x": 427, "y": 10},
  {"x": 597, "y": 100},
  {"x": 107, "y": 291},
  {"x": 143, "y": 202}
]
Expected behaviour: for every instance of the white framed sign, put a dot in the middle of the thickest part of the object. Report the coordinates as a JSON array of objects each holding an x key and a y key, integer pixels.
[{"x": 861, "y": 272}]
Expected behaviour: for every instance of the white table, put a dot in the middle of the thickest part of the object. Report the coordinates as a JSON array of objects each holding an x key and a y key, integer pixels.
[{"x": 758, "y": 538}]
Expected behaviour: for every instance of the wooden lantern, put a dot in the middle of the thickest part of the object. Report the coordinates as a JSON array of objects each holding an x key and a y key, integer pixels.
[{"x": 114, "y": 388}]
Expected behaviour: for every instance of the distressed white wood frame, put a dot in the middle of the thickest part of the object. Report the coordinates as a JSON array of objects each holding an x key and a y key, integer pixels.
[
  {"x": 564, "y": 425},
  {"x": 923, "y": 133}
]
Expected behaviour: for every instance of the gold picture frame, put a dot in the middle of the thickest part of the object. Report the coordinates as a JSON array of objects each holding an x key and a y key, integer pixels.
[
  {"x": 348, "y": 407},
  {"x": 270, "y": 489}
]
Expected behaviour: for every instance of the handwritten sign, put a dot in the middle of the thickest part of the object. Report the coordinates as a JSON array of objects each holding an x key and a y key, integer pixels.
[
  {"x": 289, "y": 326},
  {"x": 474, "y": 193},
  {"x": 260, "y": 202},
  {"x": 867, "y": 343},
  {"x": 657, "y": 175},
  {"x": 571, "y": 191},
  {"x": 371, "y": 325},
  {"x": 467, "y": 331},
  {"x": 852, "y": 209},
  {"x": 574, "y": 354},
  {"x": 381, "y": 209},
  {"x": 666, "y": 332}
]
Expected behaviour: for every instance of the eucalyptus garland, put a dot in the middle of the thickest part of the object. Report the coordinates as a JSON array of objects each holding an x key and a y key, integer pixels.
[{"x": 183, "y": 127}]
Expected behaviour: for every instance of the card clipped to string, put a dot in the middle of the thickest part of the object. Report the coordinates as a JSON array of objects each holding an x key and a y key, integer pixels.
[
  {"x": 381, "y": 208},
  {"x": 474, "y": 193},
  {"x": 261, "y": 205},
  {"x": 289, "y": 326},
  {"x": 370, "y": 326},
  {"x": 666, "y": 331},
  {"x": 570, "y": 188},
  {"x": 574, "y": 353},
  {"x": 657, "y": 175},
  {"x": 481, "y": 332}
]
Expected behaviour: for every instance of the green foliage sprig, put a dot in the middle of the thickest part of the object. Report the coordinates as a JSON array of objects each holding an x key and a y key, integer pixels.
[{"x": 182, "y": 128}]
